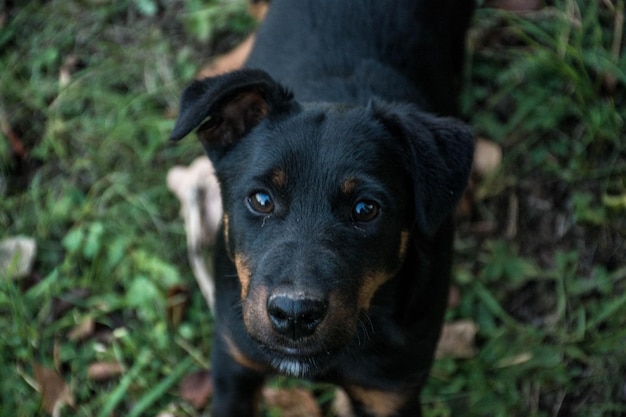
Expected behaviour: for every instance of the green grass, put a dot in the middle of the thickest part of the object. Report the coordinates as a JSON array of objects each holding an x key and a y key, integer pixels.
[{"x": 550, "y": 297}]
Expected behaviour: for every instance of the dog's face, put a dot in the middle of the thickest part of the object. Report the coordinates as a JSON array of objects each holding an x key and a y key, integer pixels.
[
  {"x": 321, "y": 203},
  {"x": 317, "y": 217}
]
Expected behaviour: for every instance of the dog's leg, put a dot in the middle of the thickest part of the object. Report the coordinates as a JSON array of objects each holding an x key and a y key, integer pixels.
[{"x": 237, "y": 388}]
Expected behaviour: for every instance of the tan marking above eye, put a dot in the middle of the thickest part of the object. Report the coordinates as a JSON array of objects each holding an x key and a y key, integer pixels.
[
  {"x": 378, "y": 403},
  {"x": 349, "y": 185},
  {"x": 279, "y": 178}
]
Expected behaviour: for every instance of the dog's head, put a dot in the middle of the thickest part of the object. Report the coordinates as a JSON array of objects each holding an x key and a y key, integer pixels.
[{"x": 321, "y": 203}]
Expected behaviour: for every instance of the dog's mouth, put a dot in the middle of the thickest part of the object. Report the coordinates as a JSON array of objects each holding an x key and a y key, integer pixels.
[{"x": 300, "y": 363}]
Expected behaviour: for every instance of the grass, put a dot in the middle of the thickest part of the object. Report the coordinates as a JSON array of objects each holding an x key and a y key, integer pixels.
[{"x": 91, "y": 88}]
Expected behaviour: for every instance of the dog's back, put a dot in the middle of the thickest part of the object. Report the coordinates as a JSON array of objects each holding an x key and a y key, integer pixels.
[{"x": 351, "y": 51}]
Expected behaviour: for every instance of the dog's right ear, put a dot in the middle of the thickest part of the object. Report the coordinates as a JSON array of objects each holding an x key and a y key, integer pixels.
[{"x": 223, "y": 109}]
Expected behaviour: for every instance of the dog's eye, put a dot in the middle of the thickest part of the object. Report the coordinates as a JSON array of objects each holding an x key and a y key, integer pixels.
[
  {"x": 365, "y": 211},
  {"x": 261, "y": 203}
]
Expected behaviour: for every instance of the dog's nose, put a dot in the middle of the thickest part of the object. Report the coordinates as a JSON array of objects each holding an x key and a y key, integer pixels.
[{"x": 295, "y": 317}]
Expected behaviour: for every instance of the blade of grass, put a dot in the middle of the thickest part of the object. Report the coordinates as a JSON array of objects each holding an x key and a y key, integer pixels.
[
  {"x": 118, "y": 393},
  {"x": 494, "y": 306},
  {"x": 610, "y": 309},
  {"x": 158, "y": 391}
]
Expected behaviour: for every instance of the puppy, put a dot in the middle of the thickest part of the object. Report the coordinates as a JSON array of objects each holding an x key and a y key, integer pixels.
[{"x": 338, "y": 179}]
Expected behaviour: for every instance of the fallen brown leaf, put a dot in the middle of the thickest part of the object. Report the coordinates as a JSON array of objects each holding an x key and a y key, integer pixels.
[
  {"x": 487, "y": 157},
  {"x": 341, "y": 406},
  {"x": 197, "y": 388},
  {"x": 466, "y": 203},
  {"x": 101, "y": 371},
  {"x": 177, "y": 300},
  {"x": 201, "y": 209},
  {"x": 17, "y": 146},
  {"x": 454, "y": 296},
  {"x": 67, "y": 69},
  {"x": 457, "y": 340},
  {"x": 17, "y": 256},
  {"x": 55, "y": 393},
  {"x": 294, "y": 402},
  {"x": 82, "y": 330}
]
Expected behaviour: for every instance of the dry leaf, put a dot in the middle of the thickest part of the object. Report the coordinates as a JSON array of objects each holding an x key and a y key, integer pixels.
[
  {"x": 201, "y": 208},
  {"x": 101, "y": 371},
  {"x": 514, "y": 360},
  {"x": 465, "y": 205},
  {"x": 197, "y": 388},
  {"x": 17, "y": 255},
  {"x": 487, "y": 157},
  {"x": 17, "y": 146},
  {"x": 341, "y": 406},
  {"x": 67, "y": 69},
  {"x": 55, "y": 393},
  {"x": 177, "y": 300},
  {"x": 295, "y": 402},
  {"x": 454, "y": 296},
  {"x": 83, "y": 330},
  {"x": 457, "y": 340}
]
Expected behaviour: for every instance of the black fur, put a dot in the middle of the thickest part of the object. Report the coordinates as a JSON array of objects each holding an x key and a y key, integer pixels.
[{"x": 334, "y": 258}]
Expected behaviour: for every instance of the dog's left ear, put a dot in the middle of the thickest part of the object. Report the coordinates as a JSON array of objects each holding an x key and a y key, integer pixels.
[
  {"x": 223, "y": 109},
  {"x": 439, "y": 154}
]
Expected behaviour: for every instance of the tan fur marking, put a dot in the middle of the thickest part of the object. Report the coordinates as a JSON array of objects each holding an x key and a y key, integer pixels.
[
  {"x": 255, "y": 316},
  {"x": 370, "y": 284},
  {"x": 243, "y": 271},
  {"x": 378, "y": 403},
  {"x": 240, "y": 358},
  {"x": 404, "y": 243},
  {"x": 348, "y": 185},
  {"x": 279, "y": 178}
]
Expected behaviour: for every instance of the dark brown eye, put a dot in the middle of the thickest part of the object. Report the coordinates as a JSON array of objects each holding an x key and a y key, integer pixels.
[
  {"x": 261, "y": 203},
  {"x": 365, "y": 211}
]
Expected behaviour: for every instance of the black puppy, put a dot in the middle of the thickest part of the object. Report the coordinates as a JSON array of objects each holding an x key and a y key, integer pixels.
[{"x": 334, "y": 257}]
